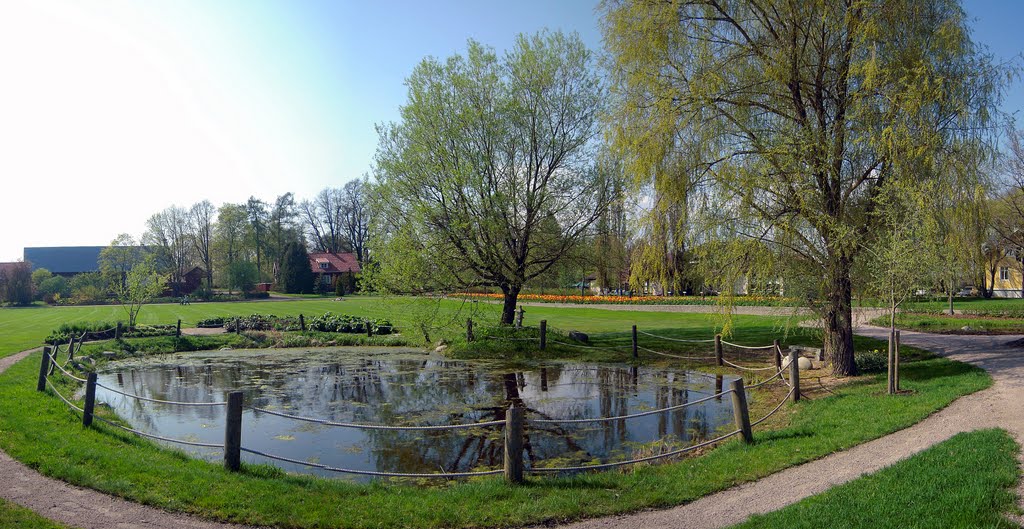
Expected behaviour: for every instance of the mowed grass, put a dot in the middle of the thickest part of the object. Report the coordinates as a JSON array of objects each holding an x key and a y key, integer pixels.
[
  {"x": 954, "y": 324},
  {"x": 964, "y": 482},
  {"x": 37, "y": 429},
  {"x": 15, "y": 517},
  {"x": 24, "y": 328}
]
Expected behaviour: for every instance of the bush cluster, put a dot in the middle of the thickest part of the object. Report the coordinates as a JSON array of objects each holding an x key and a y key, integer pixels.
[
  {"x": 874, "y": 361},
  {"x": 330, "y": 322}
]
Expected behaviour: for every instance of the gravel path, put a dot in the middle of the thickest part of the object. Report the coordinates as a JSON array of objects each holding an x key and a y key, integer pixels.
[
  {"x": 83, "y": 508},
  {"x": 1000, "y": 406}
]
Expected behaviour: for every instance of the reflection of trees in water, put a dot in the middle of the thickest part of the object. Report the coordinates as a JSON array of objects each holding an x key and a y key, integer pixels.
[{"x": 430, "y": 391}]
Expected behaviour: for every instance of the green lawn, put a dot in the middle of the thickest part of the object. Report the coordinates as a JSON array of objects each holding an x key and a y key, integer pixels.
[
  {"x": 23, "y": 328},
  {"x": 15, "y": 517},
  {"x": 964, "y": 482},
  {"x": 979, "y": 305},
  {"x": 941, "y": 324},
  {"x": 38, "y": 430}
]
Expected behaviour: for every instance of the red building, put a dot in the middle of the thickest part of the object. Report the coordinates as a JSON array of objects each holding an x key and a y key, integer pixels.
[{"x": 332, "y": 267}]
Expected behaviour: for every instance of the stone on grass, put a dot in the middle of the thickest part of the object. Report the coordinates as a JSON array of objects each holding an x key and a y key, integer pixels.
[{"x": 579, "y": 336}]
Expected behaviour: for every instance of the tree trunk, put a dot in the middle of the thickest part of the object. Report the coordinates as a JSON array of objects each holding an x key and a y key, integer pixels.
[
  {"x": 838, "y": 324},
  {"x": 508, "y": 310}
]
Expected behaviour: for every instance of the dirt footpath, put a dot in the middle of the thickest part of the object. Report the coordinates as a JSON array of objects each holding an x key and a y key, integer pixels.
[{"x": 1001, "y": 406}]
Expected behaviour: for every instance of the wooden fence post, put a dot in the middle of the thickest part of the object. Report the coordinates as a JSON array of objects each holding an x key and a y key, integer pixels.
[
  {"x": 778, "y": 354},
  {"x": 177, "y": 331},
  {"x": 369, "y": 329},
  {"x": 90, "y": 399},
  {"x": 237, "y": 327},
  {"x": 71, "y": 348},
  {"x": 117, "y": 331},
  {"x": 302, "y": 323},
  {"x": 636, "y": 354},
  {"x": 514, "y": 445},
  {"x": 44, "y": 366},
  {"x": 740, "y": 411},
  {"x": 469, "y": 329},
  {"x": 543, "y": 334},
  {"x": 794, "y": 374},
  {"x": 718, "y": 350},
  {"x": 896, "y": 363},
  {"x": 233, "y": 432}
]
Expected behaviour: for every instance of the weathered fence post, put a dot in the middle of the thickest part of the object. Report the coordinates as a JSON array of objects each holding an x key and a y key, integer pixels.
[
  {"x": 778, "y": 354},
  {"x": 514, "y": 444},
  {"x": 469, "y": 330},
  {"x": 718, "y": 350},
  {"x": 71, "y": 348},
  {"x": 543, "y": 334},
  {"x": 740, "y": 411},
  {"x": 238, "y": 329},
  {"x": 177, "y": 331},
  {"x": 44, "y": 366},
  {"x": 90, "y": 399},
  {"x": 890, "y": 375},
  {"x": 794, "y": 374},
  {"x": 636, "y": 354},
  {"x": 302, "y": 323},
  {"x": 233, "y": 432},
  {"x": 117, "y": 331},
  {"x": 896, "y": 363},
  {"x": 369, "y": 329}
]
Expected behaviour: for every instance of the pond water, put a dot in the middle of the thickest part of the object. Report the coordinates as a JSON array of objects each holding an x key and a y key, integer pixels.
[{"x": 409, "y": 387}]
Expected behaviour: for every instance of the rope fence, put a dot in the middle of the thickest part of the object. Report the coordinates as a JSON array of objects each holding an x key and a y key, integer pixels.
[{"x": 514, "y": 424}]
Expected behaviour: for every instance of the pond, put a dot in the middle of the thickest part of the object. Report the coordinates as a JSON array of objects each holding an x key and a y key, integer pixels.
[{"x": 399, "y": 387}]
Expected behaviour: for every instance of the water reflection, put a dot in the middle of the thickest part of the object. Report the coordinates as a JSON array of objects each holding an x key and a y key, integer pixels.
[{"x": 408, "y": 387}]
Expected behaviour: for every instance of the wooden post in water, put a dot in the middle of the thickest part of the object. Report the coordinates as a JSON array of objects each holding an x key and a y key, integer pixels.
[
  {"x": 514, "y": 445},
  {"x": 233, "y": 432},
  {"x": 469, "y": 329},
  {"x": 44, "y": 366},
  {"x": 740, "y": 411},
  {"x": 778, "y": 354},
  {"x": 543, "y": 334},
  {"x": 636, "y": 355},
  {"x": 794, "y": 374},
  {"x": 718, "y": 350},
  {"x": 896, "y": 363},
  {"x": 90, "y": 399},
  {"x": 302, "y": 323}
]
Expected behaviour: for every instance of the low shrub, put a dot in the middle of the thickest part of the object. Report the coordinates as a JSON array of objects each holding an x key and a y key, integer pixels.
[
  {"x": 874, "y": 361},
  {"x": 209, "y": 323},
  {"x": 330, "y": 322}
]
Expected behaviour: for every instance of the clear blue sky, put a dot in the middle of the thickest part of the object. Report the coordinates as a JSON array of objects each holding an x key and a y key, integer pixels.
[{"x": 115, "y": 109}]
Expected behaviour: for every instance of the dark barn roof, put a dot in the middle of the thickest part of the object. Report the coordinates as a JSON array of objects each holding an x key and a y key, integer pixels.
[{"x": 65, "y": 259}]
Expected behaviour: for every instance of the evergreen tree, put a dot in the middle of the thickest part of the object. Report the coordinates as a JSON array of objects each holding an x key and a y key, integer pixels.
[{"x": 296, "y": 275}]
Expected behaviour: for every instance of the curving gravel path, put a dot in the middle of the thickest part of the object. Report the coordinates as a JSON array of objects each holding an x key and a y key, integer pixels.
[
  {"x": 1002, "y": 406},
  {"x": 83, "y": 508}
]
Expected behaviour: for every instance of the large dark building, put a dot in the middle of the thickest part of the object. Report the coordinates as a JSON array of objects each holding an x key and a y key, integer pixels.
[{"x": 64, "y": 260}]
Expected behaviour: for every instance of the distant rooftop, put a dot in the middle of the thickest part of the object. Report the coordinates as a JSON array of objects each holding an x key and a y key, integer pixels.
[{"x": 64, "y": 259}]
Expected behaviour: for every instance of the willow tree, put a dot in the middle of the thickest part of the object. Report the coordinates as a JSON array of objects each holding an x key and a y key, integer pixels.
[
  {"x": 781, "y": 121},
  {"x": 484, "y": 180}
]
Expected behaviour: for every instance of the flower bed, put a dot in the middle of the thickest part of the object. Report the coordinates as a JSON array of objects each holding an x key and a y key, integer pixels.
[{"x": 756, "y": 301}]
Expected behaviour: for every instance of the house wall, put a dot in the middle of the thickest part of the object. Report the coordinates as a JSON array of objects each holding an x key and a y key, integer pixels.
[{"x": 1008, "y": 286}]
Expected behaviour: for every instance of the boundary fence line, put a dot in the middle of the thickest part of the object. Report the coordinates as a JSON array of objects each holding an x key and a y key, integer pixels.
[{"x": 513, "y": 425}]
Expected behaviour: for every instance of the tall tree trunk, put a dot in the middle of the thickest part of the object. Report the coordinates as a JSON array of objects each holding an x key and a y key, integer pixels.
[
  {"x": 838, "y": 324},
  {"x": 508, "y": 310}
]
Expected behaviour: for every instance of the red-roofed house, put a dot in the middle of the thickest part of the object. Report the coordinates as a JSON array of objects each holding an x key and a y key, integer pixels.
[{"x": 330, "y": 267}]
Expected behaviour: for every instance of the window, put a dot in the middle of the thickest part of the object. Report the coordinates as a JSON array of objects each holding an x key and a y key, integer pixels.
[
  {"x": 323, "y": 266},
  {"x": 1004, "y": 273}
]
